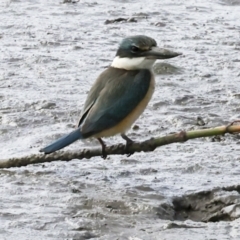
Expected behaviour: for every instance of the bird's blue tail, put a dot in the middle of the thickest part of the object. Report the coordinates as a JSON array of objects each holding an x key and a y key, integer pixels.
[{"x": 63, "y": 142}]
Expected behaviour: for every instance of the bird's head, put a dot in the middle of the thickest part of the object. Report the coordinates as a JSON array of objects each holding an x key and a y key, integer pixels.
[{"x": 140, "y": 52}]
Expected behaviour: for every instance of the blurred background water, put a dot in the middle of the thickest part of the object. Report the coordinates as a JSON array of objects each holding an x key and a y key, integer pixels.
[{"x": 50, "y": 54}]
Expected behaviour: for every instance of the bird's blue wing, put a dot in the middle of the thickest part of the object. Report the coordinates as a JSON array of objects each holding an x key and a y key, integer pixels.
[{"x": 119, "y": 96}]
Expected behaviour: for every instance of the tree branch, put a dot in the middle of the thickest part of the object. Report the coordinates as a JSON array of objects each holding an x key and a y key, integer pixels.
[{"x": 145, "y": 146}]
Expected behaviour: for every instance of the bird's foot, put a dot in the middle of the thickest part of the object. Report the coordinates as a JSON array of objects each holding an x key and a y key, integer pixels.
[
  {"x": 104, "y": 154},
  {"x": 129, "y": 142}
]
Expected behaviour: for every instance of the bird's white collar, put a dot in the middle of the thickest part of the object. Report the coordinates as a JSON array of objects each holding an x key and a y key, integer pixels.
[{"x": 133, "y": 63}]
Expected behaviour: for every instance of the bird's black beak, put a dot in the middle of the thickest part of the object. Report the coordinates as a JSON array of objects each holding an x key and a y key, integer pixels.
[{"x": 160, "y": 53}]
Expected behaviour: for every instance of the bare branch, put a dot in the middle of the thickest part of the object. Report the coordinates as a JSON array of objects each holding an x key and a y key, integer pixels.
[{"x": 145, "y": 146}]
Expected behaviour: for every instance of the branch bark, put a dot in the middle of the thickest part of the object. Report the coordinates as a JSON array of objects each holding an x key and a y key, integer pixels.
[{"x": 145, "y": 146}]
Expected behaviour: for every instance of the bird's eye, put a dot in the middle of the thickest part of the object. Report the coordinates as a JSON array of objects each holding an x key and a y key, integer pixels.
[{"x": 134, "y": 49}]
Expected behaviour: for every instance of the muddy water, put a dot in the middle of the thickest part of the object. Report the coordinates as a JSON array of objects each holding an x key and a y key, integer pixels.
[{"x": 51, "y": 52}]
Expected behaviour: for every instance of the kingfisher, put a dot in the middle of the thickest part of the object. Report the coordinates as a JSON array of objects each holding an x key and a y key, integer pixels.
[{"x": 119, "y": 95}]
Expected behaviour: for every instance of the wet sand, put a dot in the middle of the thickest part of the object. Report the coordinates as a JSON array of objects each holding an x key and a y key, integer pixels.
[{"x": 51, "y": 52}]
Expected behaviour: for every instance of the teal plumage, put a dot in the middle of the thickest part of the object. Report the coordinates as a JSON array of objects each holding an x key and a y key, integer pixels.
[{"x": 119, "y": 95}]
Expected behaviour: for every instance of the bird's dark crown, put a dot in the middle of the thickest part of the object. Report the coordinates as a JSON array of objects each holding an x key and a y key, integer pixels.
[{"x": 135, "y": 46}]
